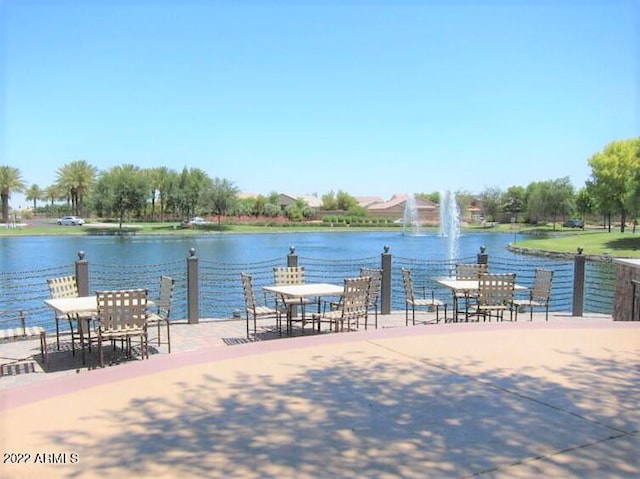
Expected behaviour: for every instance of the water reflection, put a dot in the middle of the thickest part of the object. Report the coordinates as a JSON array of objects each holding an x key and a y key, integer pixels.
[{"x": 36, "y": 252}]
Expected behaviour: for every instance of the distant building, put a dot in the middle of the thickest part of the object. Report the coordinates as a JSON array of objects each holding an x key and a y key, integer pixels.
[
  {"x": 428, "y": 211},
  {"x": 392, "y": 209}
]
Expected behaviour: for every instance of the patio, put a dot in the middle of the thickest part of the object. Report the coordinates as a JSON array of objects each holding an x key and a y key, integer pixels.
[{"x": 549, "y": 399}]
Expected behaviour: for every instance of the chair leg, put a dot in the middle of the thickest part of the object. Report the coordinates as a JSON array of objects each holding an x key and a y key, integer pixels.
[
  {"x": 44, "y": 351},
  {"x": 168, "y": 336},
  {"x": 57, "y": 333},
  {"x": 100, "y": 352}
]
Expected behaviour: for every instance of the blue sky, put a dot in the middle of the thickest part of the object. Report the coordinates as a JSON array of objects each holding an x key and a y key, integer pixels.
[{"x": 370, "y": 97}]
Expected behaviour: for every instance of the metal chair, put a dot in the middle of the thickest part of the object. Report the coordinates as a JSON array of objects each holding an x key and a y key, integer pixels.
[
  {"x": 23, "y": 332},
  {"x": 255, "y": 311},
  {"x": 539, "y": 295},
  {"x": 374, "y": 290},
  {"x": 495, "y": 295},
  {"x": 122, "y": 314},
  {"x": 67, "y": 287},
  {"x": 466, "y": 271},
  {"x": 353, "y": 306},
  {"x": 163, "y": 308},
  {"x": 284, "y": 275},
  {"x": 414, "y": 302}
]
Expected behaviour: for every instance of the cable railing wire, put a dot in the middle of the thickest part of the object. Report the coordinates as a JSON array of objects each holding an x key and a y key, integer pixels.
[{"x": 220, "y": 292}]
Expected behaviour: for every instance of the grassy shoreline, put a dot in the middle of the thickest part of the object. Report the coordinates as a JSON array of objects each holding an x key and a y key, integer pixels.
[{"x": 530, "y": 240}]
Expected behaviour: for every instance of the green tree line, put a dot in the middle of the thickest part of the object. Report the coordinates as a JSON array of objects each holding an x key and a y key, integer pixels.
[{"x": 161, "y": 193}]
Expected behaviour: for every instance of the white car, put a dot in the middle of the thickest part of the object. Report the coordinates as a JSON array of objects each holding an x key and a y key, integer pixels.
[{"x": 70, "y": 221}]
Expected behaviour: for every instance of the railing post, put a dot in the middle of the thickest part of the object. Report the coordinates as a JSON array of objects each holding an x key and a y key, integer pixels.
[
  {"x": 385, "y": 284},
  {"x": 483, "y": 257},
  {"x": 578, "y": 283},
  {"x": 292, "y": 257},
  {"x": 193, "y": 288},
  {"x": 82, "y": 274}
]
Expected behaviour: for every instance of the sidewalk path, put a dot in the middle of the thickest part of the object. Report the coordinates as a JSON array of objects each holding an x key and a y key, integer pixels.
[{"x": 488, "y": 400}]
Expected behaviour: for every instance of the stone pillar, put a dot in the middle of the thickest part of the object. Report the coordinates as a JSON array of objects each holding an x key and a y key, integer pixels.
[
  {"x": 385, "y": 284},
  {"x": 626, "y": 306},
  {"x": 578, "y": 283},
  {"x": 483, "y": 257},
  {"x": 193, "y": 288},
  {"x": 82, "y": 275},
  {"x": 292, "y": 257}
]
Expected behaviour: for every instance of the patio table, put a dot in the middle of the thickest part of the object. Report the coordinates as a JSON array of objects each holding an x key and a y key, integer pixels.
[
  {"x": 467, "y": 287},
  {"x": 84, "y": 307},
  {"x": 306, "y": 290}
]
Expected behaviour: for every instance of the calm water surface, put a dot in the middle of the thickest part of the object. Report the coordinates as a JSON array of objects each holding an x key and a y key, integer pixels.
[{"x": 35, "y": 252}]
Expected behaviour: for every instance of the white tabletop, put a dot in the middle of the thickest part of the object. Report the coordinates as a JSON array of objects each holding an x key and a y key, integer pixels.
[
  {"x": 468, "y": 284},
  {"x": 79, "y": 304},
  {"x": 74, "y": 305},
  {"x": 306, "y": 289}
]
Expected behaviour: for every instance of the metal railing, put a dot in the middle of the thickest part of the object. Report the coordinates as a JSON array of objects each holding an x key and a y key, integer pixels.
[{"x": 209, "y": 289}]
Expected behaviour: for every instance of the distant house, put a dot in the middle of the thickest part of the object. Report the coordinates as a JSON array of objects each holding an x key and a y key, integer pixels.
[
  {"x": 428, "y": 211},
  {"x": 366, "y": 201},
  {"x": 312, "y": 200}
]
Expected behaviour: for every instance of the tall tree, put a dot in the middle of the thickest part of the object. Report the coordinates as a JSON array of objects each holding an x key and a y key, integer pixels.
[
  {"x": 121, "y": 190},
  {"x": 615, "y": 172},
  {"x": 76, "y": 179},
  {"x": 491, "y": 202},
  {"x": 10, "y": 182},
  {"x": 513, "y": 200},
  {"x": 192, "y": 189},
  {"x": 34, "y": 193},
  {"x": 221, "y": 197}
]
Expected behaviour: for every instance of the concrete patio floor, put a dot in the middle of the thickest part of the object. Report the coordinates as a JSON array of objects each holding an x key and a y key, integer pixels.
[{"x": 488, "y": 400}]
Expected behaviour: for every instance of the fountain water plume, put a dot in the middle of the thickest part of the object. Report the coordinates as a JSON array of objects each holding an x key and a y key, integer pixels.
[
  {"x": 450, "y": 223},
  {"x": 411, "y": 217}
]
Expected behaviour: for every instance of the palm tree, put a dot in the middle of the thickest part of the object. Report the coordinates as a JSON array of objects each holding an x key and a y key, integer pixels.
[
  {"x": 10, "y": 182},
  {"x": 34, "y": 193},
  {"x": 76, "y": 179}
]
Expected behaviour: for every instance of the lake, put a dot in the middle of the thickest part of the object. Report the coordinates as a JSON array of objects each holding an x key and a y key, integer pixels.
[{"x": 137, "y": 260}]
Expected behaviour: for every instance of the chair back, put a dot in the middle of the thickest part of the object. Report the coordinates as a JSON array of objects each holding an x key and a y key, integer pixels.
[
  {"x": 63, "y": 287},
  {"x": 407, "y": 282},
  {"x": 466, "y": 271},
  {"x": 288, "y": 275},
  {"x": 355, "y": 297},
  {"x": 122, "y": 310},
  {"x": 247, "y": 290},
  {"x": 376, "y": 278},
  {"x": 496, "y": 289},
  {"x": 165, "y": 296},
  {"x": 542, "y": 280}
]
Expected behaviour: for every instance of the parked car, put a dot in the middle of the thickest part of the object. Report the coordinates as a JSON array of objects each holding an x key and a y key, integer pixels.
[
  {"x": 194, "y": 222},
  {"x": 573, "y": 224},
  {"x": 70, "y": 221}
]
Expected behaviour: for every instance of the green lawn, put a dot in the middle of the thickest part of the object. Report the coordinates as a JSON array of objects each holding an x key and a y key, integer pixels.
[{"x": 626, "y": 245}]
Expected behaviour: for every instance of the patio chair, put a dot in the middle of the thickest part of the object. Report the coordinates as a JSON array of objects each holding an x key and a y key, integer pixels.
[
  {"x": 255, "y": 311},
  {"x": 284, "y": 275},
  {"x": 428, "y": 301},
  {"x": 163, "y": 308},
  {"x": 466, "y": 271},
  {"x": 122, "y": 314},
  {"x": 353, "y": 306},
  {"x": 495, "y": 295},
  {"x": 24, "y": 332},
  {"x": 539, "y": 294},
  {"x": 374, "y": 290},
  {"x": 67, "y": 287}
]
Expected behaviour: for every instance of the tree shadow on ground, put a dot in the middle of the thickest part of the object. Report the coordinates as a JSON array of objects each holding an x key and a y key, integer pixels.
[
  {"x": 340, "y": 417},
  {"x": 631, "y": 243}
]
